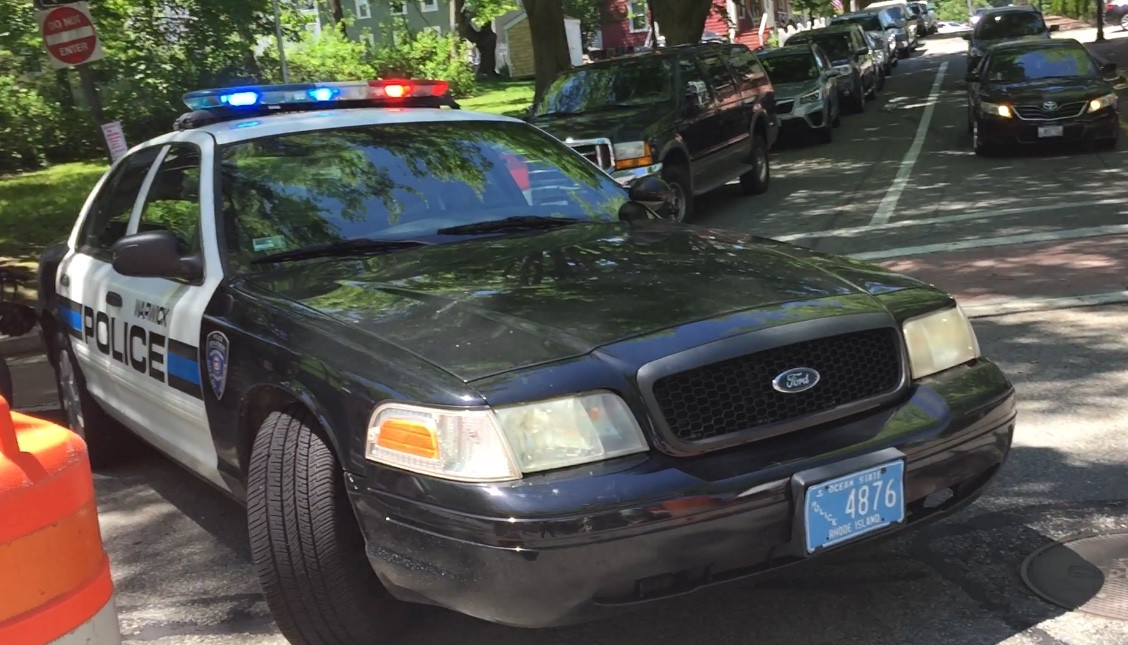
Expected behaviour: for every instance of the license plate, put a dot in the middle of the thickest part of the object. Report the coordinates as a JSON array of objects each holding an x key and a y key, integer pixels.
[
  {"x": 1050, "y": 131},
  {"x": 848, "y": 507}
]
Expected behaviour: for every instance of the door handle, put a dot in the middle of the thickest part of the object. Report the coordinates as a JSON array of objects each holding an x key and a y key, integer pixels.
[
  {"x": 65, "y": 280},
  {"x": 113, "y": 298}
]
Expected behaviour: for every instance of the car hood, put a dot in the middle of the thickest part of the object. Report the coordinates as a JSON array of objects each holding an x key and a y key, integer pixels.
[
  {"x": 483, "y": 307},
  {"x": 1061, "y": 90},
  {"x": 615, "y": 124},
  {"x": 791, "y": 91}
]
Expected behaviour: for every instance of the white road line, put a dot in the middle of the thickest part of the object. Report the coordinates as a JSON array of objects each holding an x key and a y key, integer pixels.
[
  {"x": 889, "y": 202},
  {"x": 1004, "y": 306},
  {"x": 1006, "y": 240},
  {"x": 855, "y": 231}
]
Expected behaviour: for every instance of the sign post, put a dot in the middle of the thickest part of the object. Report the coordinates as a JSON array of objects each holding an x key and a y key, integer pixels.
[{"x": 72, "y": 41}]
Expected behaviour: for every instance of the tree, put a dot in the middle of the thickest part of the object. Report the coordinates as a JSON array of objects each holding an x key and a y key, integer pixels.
[
  {"x": 473, "y": 19},
  {"x": 681, "y": 21},
  {"x": 550, "y": 42}
]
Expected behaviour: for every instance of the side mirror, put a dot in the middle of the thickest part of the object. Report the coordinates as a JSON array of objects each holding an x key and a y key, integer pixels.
[
  {"x": 154, "y": 254},
  {"x": 1108, "y": 69},
  {"x": 1054, "y": 28},
  {"x": 653, "y": 192}
]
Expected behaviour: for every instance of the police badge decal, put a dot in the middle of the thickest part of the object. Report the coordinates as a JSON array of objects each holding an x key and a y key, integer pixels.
[{"x": 217, "y": 348}]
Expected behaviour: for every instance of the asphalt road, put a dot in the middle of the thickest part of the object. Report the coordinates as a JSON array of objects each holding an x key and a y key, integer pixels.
[{"x": 178, "y": 548}]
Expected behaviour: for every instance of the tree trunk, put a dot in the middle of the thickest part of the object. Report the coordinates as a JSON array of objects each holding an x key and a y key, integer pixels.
[
  {"x": 338, "y": 13},
  {"x": 550, "y": 43},
  {"x": 681, "y": 21},
  {"x": 484, "y": 39}
]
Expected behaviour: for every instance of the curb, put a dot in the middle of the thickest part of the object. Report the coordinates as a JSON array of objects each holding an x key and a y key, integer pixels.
[{"x": 29, "y": 343}]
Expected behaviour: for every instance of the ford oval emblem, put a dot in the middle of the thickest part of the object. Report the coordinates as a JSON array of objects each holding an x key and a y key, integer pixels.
[{"x": 796, "y": 380}]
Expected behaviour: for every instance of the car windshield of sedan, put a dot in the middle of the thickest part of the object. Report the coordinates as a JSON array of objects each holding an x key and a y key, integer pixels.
[
  {"x": 1010, "y": 25},
  {"x": 837, "y": 47},
  {"x": 1056, "y": 62},
  {"x": 399, "y": 182},
  {"x": 624, "y": 84},
  {"x": 797, "y": 68}
]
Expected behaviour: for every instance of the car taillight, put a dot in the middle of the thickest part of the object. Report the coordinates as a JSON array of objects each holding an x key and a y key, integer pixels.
[{"x": 403, "y": 88}]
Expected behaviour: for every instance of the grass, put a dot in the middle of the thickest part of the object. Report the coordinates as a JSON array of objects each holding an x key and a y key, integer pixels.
[
  {"x": 511, "y": 98},
  {"x": 38, "y": 208}
]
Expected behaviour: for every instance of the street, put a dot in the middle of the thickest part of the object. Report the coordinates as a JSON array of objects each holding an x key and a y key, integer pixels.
[{"x": 1017, "y": 239}]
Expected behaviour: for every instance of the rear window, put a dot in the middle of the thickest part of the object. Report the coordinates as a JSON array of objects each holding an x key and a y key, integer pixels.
[
  {"x": 1014, "y": 24},
  {"x": 399, "y": 181}
]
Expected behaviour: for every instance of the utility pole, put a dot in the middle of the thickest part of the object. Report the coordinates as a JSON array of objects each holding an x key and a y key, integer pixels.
[
  {"x": 1100, "y": 21},
  {"x": 281, "y": 44}
]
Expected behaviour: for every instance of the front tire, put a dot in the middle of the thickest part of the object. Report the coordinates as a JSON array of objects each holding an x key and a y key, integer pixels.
[
  {"x": 105, "y": 439},
  {"x": 677, "y": 176},
  {"x": 306, "y": 546},
  {"x": 1124, "y": 22},
  {"x": 755, "y": 181}
]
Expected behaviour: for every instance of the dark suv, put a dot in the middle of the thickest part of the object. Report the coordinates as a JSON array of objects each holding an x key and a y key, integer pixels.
[{"x": 699, "y": 116}]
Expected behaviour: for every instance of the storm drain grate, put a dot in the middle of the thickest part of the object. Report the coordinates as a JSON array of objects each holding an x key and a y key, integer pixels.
[{"x": 1088, "y": 574}]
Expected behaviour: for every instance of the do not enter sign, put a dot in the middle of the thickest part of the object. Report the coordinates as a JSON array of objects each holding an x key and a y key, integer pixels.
[{"x": 69, "y": 35}]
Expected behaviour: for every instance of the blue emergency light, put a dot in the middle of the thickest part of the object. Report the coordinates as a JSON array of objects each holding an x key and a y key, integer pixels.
[{"x": 384, "y": 91}]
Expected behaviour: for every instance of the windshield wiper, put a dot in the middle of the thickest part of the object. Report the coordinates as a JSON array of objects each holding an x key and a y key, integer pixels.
[
  {"x": 342, "y": 248},
  {"x": 518, "y": 223}
]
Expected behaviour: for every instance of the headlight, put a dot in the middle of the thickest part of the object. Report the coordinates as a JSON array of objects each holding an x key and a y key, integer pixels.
[
  {"x": 504, "y": 443},
  {"x": 813, "y": 97},
  {"x": 938, "y": 341},
  {"x": 1100, "y": 103},
  {"x": 996, "y": 109},
  {"x": 632, "y": 154},
  {"x": 843, "y": 70}
]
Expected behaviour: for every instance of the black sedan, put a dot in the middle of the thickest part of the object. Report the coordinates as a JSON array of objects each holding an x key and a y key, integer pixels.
[{"x": 1029, "y": 92}]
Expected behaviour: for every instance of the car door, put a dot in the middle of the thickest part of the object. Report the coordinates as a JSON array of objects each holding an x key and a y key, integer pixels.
[
  {"x": 164, "y": 400},
  {"x": 88, "y": 313},
  {"x": 734, "y": 123},
  {"x": 755, "y": 87},
  {"x": 863, "y": 57},
  {"x": 698, "y": 124}
]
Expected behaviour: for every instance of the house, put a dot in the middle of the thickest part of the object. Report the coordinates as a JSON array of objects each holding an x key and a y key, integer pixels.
[
  {"x": 378, "y": 21},
  {"x": 515, "y": 43},
  {"x": 749, "y": 22}
]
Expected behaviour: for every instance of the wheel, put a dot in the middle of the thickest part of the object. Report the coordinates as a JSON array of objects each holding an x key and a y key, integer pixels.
[
  {"x": 1124, "y": 22},
  {"x": 755, "y": 181},
  {"x": 880, "y": 82},
  {"x": 105, "y": 438},
  {"x": 5, "y": 381},
  {"x": 826, "y": 132},
  {"x": 981, "y": 147},
  {"x": 836, "y": 120},
  {"x": 872, "y": 93},
  {"x": 306, "y": 546},
  {"x": 859, "y": 99},
  {"x": 677, "y": 176}
]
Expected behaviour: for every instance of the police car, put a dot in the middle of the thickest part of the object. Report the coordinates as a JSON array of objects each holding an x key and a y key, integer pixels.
[{"x": 444, "y": 359}]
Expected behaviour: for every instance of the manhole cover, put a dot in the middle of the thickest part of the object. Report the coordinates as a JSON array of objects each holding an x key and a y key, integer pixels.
[{"x": 1087, "y": 574}]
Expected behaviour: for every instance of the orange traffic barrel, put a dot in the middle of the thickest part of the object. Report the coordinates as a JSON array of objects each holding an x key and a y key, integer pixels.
[{"x": 55, "y": 585}]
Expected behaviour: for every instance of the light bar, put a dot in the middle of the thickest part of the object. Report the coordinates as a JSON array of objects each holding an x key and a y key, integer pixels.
[{"x": 308, "y": 94}]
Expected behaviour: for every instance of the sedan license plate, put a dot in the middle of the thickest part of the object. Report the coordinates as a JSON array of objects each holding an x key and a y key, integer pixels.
[
  {"x": 848, "y": 507},
  {"x": 1046, "y": 131}
]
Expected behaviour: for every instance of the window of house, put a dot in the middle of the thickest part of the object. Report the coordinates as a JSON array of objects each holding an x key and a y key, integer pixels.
[
  {"x": 636, "y": 15},
  {"x": 398, "y": 7},
  {"x": 429, "y": 5},
  {"x": 369, "y": 38},
  {"x": 435, "y": 28},
  {"x": 363, "y": 10}
]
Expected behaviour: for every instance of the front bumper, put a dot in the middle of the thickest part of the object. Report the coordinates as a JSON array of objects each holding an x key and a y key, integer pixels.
[
  {"x": 571, "y": 546},
  {"x": 1086, "y": 128},
  {"x": 628, "y": 176},
  {"x": 805, "y": 117}
]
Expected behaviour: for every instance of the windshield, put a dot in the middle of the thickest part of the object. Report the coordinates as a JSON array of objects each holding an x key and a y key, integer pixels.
[
  {"x": 869, "y": 23},
  {"x": 399, "y": 182},
  {"x": 837, "y": 47},
  {"x": 1056, "y": 62},
  {"x": 791, "y": 69},
  {"x": 1014, "y": 24},
  {"x": 626, "y": 84}
]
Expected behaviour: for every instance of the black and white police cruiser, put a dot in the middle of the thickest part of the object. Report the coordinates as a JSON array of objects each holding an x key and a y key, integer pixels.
[{"x": 444, "y": 359}]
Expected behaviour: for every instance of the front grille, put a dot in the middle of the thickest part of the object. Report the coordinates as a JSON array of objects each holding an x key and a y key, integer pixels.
[
  {"x": 784, "y": 107},
  {"x": 1037, "y": 112},
  {"x": 737, "y": 394},
  {"x": 598, "y": 152}
]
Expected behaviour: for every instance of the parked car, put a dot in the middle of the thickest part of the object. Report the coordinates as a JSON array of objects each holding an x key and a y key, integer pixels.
[
  {"x": 932, "y": 21},
  {"x": 898, "y": 11},
  {"x": 925, "y": 21},
  {"x": 806, "y": 89},
  {"x": 1001, "y": 24},
  {"x": 1029, "y": 92},
  {"x": 699, "y": 116},
  {"x": 879, "y": 51},
  {"x": 444, "y": 360},
  {"x": 849, "y": 52},
  {"x": 875, "y": 23},
  {"x": 1116, "y": 13}
]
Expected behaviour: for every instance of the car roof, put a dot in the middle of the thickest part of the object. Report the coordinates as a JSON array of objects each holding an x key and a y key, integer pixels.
[{"x": 253, "y": 127}]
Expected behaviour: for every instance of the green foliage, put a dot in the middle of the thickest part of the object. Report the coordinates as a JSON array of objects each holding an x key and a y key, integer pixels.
[
  {"x": 40, "y": 207},
  {"x": 428, "y": 55},
  {"x": 590, "y": 13},
  {"x": 27, "y": 124},
  {"x": 328, "y": 57}
]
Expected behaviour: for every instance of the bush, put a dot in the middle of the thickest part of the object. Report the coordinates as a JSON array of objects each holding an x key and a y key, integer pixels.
[
  {"x": 428, "y": 55},
  {"x": 29, "y": 125},
  {"x": 328, "y": 57}
]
